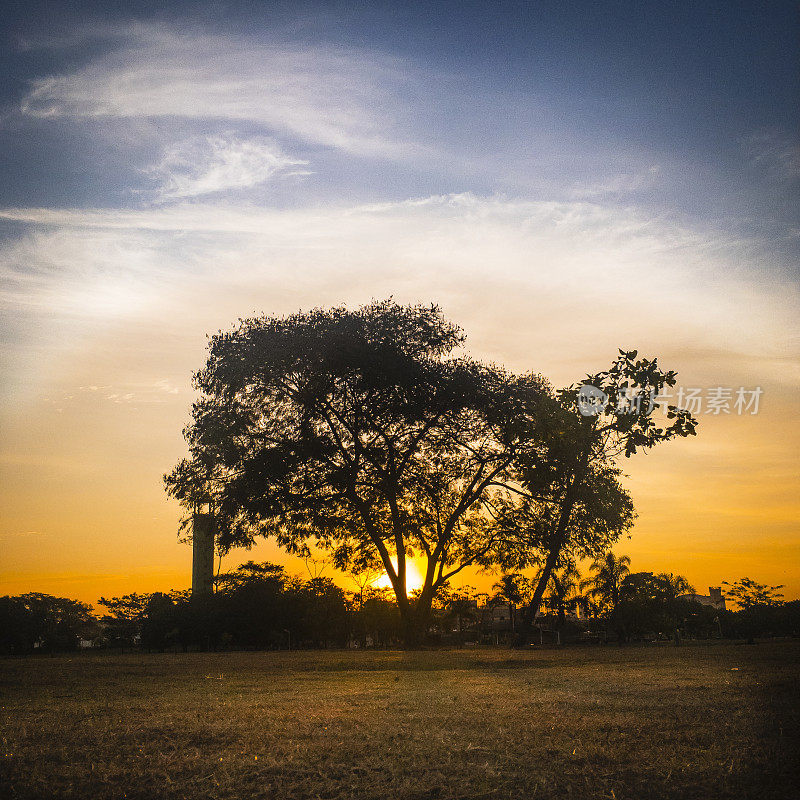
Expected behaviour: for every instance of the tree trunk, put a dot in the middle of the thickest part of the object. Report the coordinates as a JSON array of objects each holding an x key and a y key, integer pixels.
[
  {"x": 549, "y": 565},
  {"x": 557, "y": 540},
  {"x": 414, "y": 619}
]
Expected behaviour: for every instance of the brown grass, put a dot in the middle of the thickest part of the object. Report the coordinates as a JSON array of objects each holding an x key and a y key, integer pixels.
[{"x": 702, "y": 721}]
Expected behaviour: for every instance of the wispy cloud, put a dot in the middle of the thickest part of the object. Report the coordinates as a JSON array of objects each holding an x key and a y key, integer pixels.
[
  {"x": 619, "y": 185},
  {"x": 131, "y": 393},
  {"x": 775, "y": 153},
  {"x": 204, "y": 165},
  {"x": 601, "y": 273},
  {"x": 337, "y": 97}
]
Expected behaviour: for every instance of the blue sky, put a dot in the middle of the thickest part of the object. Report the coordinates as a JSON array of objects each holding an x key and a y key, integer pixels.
[
  {"x": 533, "y": 99},
  {"x": 564, "y": 178}
]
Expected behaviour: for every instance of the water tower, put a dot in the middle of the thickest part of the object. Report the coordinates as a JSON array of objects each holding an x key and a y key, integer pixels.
[{"x": 202, "y": 550}]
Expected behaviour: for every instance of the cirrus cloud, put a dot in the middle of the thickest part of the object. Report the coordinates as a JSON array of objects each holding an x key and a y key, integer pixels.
[
  {"x": 341, "y": 98},
  {"x": 205, "y": 165}
]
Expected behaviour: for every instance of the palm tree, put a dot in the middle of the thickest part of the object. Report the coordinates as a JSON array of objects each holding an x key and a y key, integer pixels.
[
  {"x": 677, "y": 584},
  {"x": 512, "y": 588},
  {"x": 563, "y": 588},
  {"x": 674, "y": 586},
  {"x": 605, "y": 584}
]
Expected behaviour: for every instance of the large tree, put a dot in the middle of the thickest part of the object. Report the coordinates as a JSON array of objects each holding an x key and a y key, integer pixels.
[
  {"x": 366, "y": 434},
  {"x": 360, "y": 432}
]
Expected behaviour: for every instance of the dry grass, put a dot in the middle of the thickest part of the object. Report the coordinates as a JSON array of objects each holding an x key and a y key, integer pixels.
[{"x": 702, "y": 721}]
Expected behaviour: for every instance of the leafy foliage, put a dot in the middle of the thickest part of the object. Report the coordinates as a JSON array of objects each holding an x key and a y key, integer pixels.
[
  {"x": 360, "y": 432},
  {"x": 605, "y": 584},
  {"x": 747, "y": 593},
  {"x": 580, "y": 507},
  {"x": 52, "y": 623},
  {"x": 363, "y": 433}
]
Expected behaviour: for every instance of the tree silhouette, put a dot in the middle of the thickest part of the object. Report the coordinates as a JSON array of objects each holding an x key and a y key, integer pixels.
[
  {"x": 580, "y": 508},
  {"x": 649, "y": 603},
  {"x": 605, "y": 584},
  {"x": 361, "y": 433},
  {"x": 460, "y": 605},
  {"x": 747, "y": 593},
  {"x": 363, "y": 578},
  {"x": 35, "y": 619},
  {"x": 358, "y": 431},
  {"x": 514, "y": 589},
  {"x": 563, "y": 589},
  {"x": 123, "y": 622},
  {"x": 676, "y": 585}
]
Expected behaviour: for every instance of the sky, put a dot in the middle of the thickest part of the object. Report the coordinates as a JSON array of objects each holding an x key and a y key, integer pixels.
[{"x": 562, "y": 179}]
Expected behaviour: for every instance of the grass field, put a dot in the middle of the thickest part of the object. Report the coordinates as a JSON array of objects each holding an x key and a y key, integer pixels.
[{"x": 701, "y": 721}]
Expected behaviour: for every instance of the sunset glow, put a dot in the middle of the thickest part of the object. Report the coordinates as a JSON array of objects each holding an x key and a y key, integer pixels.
[
  {"x": 172, "y": 174},
  {"x": 414, "y": 577},
  {"x": 509, "y": 290}
]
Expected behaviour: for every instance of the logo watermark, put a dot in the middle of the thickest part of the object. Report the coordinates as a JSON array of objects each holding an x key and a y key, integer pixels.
[{"x": 715, "y": 400}]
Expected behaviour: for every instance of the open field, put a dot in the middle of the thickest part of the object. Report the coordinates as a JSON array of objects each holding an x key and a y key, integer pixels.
[{"x": 701, "y": 721}]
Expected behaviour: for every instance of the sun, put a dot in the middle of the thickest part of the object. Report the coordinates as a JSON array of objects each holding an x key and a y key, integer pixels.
[{"x": 414, "y": 579}]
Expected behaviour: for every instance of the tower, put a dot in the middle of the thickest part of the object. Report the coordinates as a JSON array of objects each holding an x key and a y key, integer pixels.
[
  {"x": 717, "y": 598},
  {"x": 202, "y": 552}
]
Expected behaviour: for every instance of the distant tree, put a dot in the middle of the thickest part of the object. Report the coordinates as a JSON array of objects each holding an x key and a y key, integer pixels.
[
  {"x": 563, "y": 591},
  {"x": 161, "y": 622},
  {"x": 759, "y": 609},
  {"x": 363, "y": 577},
  {"x": 677, "y": 611},
  {"x": 360, "y": 432},
  {"x": 124, "y": 617},
  {"x": 641, "y": 603},
  {"x": 57, "y": 623},
  {"x": 747, "y": 593},
  {"x": 460, "y": 606},
  {"x": 788, "y": 618},
  {"x": 676, "y": 585},
  {"x": 378, "y": 618},
  {"x": 251, "y": 572},
  {"x": 643, "y": 607},
  {"x": 327, "y": 618},
  {"x": 605, "y": 584},
  {"x": 19, "y": 630},
  {"x": 512, "y": 588},
  {"x": 699, "y": 621},
  {"x": 253, "y": 605}
]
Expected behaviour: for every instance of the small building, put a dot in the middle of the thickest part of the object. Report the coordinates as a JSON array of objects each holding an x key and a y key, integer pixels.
[{"x": 714, "y": 598}]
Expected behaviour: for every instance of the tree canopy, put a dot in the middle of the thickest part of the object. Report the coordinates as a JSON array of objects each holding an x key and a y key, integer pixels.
[
  {"x": 747, "y": 593},
  {"x": 366, "y": 433},
  {"x": 361, "y": 432},
  {"x": 579, "y": 508}
]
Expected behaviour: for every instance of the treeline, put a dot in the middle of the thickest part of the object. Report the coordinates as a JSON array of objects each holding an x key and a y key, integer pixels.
[
  {"x": 630, "y": 606},
  {"x": 259, "y": 606}
]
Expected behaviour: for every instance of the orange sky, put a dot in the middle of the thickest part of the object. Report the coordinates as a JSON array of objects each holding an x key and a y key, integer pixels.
[
  {"x": 562, "y": 188},
  {"x": 84, "y": 513}
]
